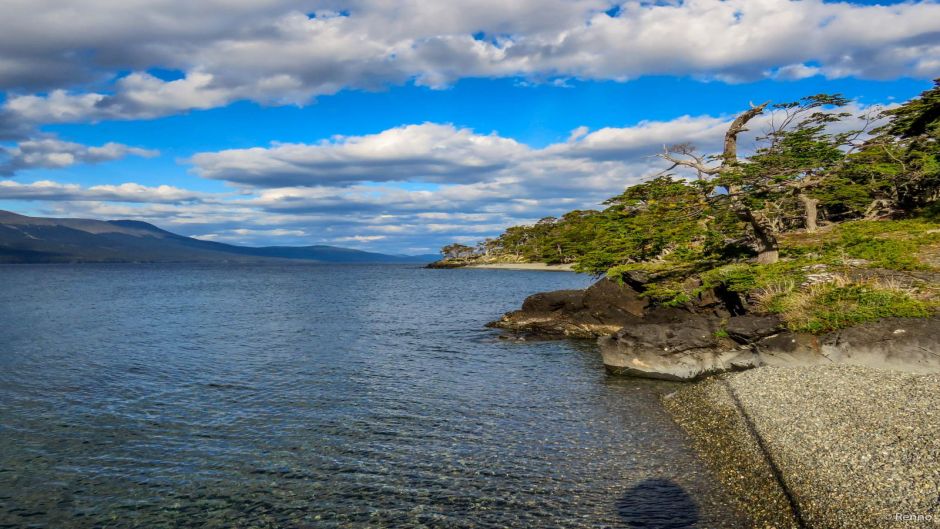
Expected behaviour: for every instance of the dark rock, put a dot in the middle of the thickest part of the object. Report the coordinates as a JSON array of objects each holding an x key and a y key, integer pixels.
[
  {"x": 670, "y": 338},
  {"x": 685, "y": 350},
  {"x": 749, "y": 328},
  {"x": 637, "y": 279},
  {"x": 609, "y": 300},
  {"x": 446, "y": 264},
  {"x": 569, "y": 300},
  {"x": 601, "y": 309}
]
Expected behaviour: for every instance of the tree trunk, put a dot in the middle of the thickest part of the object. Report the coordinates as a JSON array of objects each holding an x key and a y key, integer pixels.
[
  {"x": 768, "y": 250},
  {"x": 811, "y": 212},
  {"x": 729, "y": 155},
  {"x": 768, "y": 256}
]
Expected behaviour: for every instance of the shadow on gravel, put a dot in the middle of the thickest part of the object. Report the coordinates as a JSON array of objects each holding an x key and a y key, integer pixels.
[{"x": 658, "y": 504}]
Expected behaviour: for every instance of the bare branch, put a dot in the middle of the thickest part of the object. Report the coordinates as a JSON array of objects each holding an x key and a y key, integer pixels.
[{"x": 690, "y": 160}]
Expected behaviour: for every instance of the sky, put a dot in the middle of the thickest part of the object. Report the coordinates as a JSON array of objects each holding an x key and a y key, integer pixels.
[{"x": 401, "y": 126}]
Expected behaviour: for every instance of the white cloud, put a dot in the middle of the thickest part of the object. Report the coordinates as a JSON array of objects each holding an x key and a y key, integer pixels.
[
  {"x": 794, "y": 72},
  {"x": 127, "y": 192},
  {"x": 360, "y": 238},
  {"x": 472, "y": 165},
  {"x": 488, "y": 182},
  {"x": 51, "y": 153},
  {"x": 428, "y": 152},
  {"x": 291, "y": 51}
]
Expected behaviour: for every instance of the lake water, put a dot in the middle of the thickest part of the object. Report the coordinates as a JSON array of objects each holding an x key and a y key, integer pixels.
[{"x": 320, "y": 396}]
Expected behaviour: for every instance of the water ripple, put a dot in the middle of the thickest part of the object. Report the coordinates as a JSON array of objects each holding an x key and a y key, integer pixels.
[{"x": 318, "y": 396}]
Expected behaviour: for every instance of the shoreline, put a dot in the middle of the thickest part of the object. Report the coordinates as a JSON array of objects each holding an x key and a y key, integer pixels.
[
  {"x": 523, "y": 266},
  {"x": 830, "y": 430}
]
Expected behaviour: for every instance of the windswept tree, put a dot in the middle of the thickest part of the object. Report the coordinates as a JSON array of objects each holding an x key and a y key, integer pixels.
[
  {"x": 727, "y": 168},
  {"x": 779, "y": 182}
]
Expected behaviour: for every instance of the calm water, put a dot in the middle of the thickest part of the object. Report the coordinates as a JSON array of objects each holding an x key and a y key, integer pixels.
[{"x": 319, "y": 396}]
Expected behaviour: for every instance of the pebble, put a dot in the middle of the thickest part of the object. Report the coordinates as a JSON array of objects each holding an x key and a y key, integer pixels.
[{"x": 823, "y": 447}]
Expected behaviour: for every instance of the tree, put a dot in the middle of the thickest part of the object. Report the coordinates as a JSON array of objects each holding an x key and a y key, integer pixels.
[
  {"x": 457, "y": 251},
  {"x": 796, "y": 157},
  {"x": 727, "y": 169},
  {"x": 793, "y": 160},
  {"x": 904, "y": 155}
]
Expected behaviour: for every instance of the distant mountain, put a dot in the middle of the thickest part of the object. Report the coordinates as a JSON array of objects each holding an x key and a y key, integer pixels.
[{"x": 48, "y": 240}]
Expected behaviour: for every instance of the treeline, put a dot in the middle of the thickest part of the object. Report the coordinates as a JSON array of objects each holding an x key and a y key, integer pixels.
[{"x": 807, "y": 170}]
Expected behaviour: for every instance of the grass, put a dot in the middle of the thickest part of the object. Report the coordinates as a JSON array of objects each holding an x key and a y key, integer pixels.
[
  {"x": 842, "y": 303},
  {"x": 834, "y": 303},
  {"x": 893, "y": 244}
]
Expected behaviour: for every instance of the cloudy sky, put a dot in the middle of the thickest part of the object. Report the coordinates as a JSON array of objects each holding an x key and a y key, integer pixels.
[{"x": 400, "y": 126}]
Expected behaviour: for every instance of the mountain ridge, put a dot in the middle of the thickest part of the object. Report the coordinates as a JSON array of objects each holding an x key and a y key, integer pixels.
[{"x": 25, "y": 239}]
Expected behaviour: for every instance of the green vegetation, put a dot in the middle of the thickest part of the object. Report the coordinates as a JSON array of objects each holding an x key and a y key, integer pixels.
[
  {"x": 788, "y": 228},
  {"x": 830, "y": 306}
]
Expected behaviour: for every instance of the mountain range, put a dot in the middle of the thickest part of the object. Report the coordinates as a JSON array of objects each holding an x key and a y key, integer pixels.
[{"x": 26, "y": 239}]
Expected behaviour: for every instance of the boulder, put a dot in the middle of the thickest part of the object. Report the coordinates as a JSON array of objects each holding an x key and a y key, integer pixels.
[
  {"x": 683, "y": 351},
  {"x": 601, "y": 309},
  {"x": 750, "y": 328}
]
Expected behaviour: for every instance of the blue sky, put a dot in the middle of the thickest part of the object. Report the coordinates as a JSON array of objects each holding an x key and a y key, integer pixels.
[{"x": 401, "y": 126}]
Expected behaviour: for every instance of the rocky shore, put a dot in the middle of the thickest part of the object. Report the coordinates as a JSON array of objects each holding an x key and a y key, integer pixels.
[
  {"x": 711, "y": 334},
  {"x": 496, "y": 265},
  {"x": 836, "y": 430}
]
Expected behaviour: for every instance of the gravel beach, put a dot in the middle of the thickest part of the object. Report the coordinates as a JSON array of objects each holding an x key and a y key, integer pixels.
[{"x": 821, "y": 447}]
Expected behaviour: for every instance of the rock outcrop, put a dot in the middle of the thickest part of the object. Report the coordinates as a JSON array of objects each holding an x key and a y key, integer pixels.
[
  {"x": 712, "y": 334},
  {"x": 697, "y": 347},
  {"x": 599, "y": 310},
  {"x": 684, "y": 350},
  {"x": 904, "y": 344}
]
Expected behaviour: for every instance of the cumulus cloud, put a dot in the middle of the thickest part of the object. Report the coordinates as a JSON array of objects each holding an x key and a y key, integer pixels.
[
  {"x": 52, "y": 153},
  {"x": 475, "y": 164},
  {"x": 428, "y": 152},
  {"x": 291, "y": 51}
]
